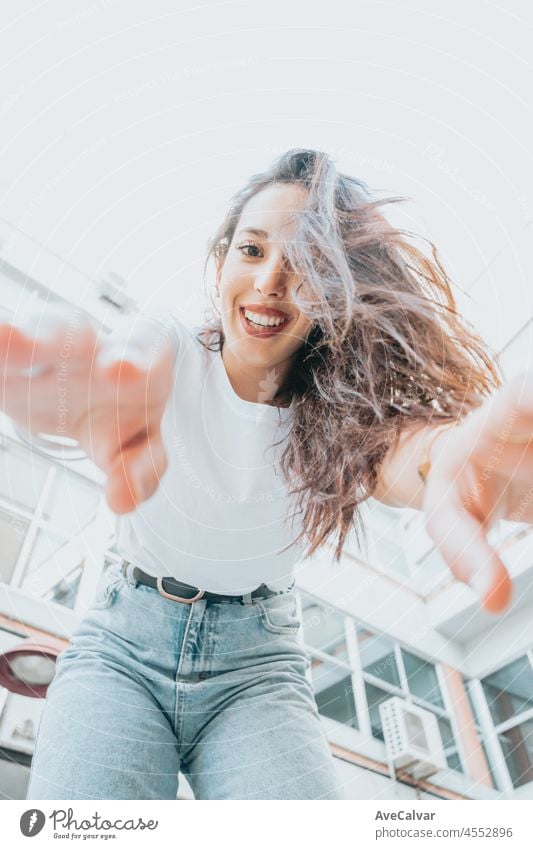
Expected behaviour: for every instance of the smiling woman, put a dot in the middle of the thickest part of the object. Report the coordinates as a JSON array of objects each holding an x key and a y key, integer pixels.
[
  {"x": 372, "y": 343},
  {"x": 333, "y": 352}
]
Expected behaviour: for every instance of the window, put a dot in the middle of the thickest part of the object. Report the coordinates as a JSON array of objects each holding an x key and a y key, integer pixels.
[
  {"x": 342, "y": 651},
  {"x": 422, "y": 679},
  {"x": 44, "y": 549},
  {"x": 450, "y": 746},
  {"x": 22, "y": 475},
  {"x": 65, "y": 591},
  {"x": 44, "y": 509},
  {"x": 13, "y": 530},
  {"x": 323, "y": 628},
  {"x": 377, "y": 656},
  {"x": 485, "y": 735},
  {"x": 375, "y": 697},
  {"x": 454, "y": 762},
  {"x": 517, "y": 747},
  {"x": 509, "y": 696},
  {"x": 331, "y": 673},
  {"x": 72, "y": 503},
  {"x": 381, "y": 659},
  {"x": 509, "y": 692},
  {"x": 334, "y": 692}
]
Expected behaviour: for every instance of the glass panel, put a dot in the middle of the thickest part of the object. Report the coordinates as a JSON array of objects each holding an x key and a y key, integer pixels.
[
  {"x": 44, "y": 565},
  {"x": 422, "y": 679},
  {"x": 22, "y": 475},
  {"x": 56, "y": 587},
  {"x": 44, "y": 549},
  {"x": 66, "y": 589},
  {"x": 323, "y": 628},
  {"x": 509, "y": 691},
  {"x": 377, "y": 656},
  {"x": 334, "y": 692},
  {"x": 375, "y": 697},
  {"x": 13, "y": 530},
  {"x": 446, "y": 733},
  {"x": 517, "y": 747},
  {"x": 454, "y": 762},
  {"x": 54, "y": 570},
  {"x": 72, "y": 504}
]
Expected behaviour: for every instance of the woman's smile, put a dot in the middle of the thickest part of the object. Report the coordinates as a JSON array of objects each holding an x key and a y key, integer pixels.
[{"x": 263, "y": 322}]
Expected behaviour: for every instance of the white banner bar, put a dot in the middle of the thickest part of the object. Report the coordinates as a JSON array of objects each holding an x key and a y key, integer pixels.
[{"x": 306, "y": 824}]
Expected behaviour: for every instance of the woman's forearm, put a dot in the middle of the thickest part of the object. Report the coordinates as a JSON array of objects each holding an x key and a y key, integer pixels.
[{"x": 400, "y": 478}]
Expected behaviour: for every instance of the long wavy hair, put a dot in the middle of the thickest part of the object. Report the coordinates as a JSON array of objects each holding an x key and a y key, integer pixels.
[{"x": 387, "y": 348}]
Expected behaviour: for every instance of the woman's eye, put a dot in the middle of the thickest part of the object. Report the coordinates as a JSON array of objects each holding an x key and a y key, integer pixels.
[{"x": 249, "y": 246}]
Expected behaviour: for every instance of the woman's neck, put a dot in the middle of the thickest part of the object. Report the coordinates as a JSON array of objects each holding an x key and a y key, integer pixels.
[{"x": 258, "y": 385}]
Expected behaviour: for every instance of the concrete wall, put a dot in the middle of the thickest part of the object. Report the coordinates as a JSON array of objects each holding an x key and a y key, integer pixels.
[{"x": 359, "y": 783}]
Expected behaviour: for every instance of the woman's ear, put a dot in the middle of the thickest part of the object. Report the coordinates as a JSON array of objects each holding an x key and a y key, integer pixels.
[{"x": 221, "y": 250}]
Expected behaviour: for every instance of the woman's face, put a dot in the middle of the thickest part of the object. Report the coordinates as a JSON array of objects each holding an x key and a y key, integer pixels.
[{"x": 260, "y": 319}]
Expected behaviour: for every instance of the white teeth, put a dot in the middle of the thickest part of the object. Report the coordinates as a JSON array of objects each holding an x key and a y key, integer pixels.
[{"x": 263, "y": 320}]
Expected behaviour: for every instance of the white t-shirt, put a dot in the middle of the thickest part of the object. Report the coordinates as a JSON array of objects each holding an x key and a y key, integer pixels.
[{"x": 222, "y": 512}]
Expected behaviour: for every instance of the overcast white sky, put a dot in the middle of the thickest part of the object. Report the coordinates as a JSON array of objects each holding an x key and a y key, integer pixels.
[{"x": 126, "y": 127}]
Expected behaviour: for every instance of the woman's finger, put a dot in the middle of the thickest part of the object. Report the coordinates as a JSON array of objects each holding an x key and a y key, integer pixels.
[
  {"x": 136, "y": 473},
  {"x": 460, "y": 538},
  {"x": 128, "y": 353},
  {"x": 37, "y": 341},
  {"x": 148, "y": 468}
]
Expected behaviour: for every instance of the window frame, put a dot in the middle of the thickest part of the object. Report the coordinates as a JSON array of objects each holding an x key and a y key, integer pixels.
[
  {"x": 359, "y": 678},
  {"x": 491, "y": 730}
]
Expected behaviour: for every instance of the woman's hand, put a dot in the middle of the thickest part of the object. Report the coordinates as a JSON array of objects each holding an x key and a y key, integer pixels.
[
  {"x": 59, "y": 376},
  {"x": 482, "y": 471}
]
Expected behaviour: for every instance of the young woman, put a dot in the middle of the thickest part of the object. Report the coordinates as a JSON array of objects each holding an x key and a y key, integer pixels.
[{"x": 334, "y": 367}]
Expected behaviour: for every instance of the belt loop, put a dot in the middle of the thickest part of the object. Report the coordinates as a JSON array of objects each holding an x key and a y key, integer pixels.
[
  {"x": 247, "y": 598},
  {"x": 127, "y": 571}
]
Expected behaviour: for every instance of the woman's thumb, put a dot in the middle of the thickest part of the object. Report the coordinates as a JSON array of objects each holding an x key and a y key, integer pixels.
[{"x": 136, "y": 474}]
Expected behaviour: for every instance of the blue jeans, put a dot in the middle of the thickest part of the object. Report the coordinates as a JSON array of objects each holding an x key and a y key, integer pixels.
[{"x": 149, "y": 687}]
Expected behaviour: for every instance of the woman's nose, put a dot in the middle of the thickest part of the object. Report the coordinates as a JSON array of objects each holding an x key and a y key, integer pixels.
[{"x": 272, "y": 280}]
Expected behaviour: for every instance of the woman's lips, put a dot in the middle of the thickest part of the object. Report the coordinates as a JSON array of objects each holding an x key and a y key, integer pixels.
[{"x": 261, "y": 332}]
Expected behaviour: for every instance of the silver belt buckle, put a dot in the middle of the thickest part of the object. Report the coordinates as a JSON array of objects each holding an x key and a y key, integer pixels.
[{"x": 164, "y": 593}]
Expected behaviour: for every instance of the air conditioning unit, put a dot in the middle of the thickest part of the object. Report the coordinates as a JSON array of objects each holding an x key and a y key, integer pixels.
[{"x": 412, "y": 738}]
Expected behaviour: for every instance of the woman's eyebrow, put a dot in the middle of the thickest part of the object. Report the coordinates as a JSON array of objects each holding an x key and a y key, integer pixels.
[{"x": 261, "y": 233}]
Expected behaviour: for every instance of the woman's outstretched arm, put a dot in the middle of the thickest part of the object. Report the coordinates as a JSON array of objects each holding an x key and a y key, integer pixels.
[
  {"x": 60, "y": 376},
  {"x": 477, "y": 471},
  {"x": 400, "y": 483}
]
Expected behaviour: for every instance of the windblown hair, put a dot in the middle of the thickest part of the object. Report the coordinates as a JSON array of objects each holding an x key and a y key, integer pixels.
[{"x": 387, "y": 350}]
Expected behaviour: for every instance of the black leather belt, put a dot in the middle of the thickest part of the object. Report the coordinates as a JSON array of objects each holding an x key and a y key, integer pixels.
[{"x": 177, "y": 591}]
